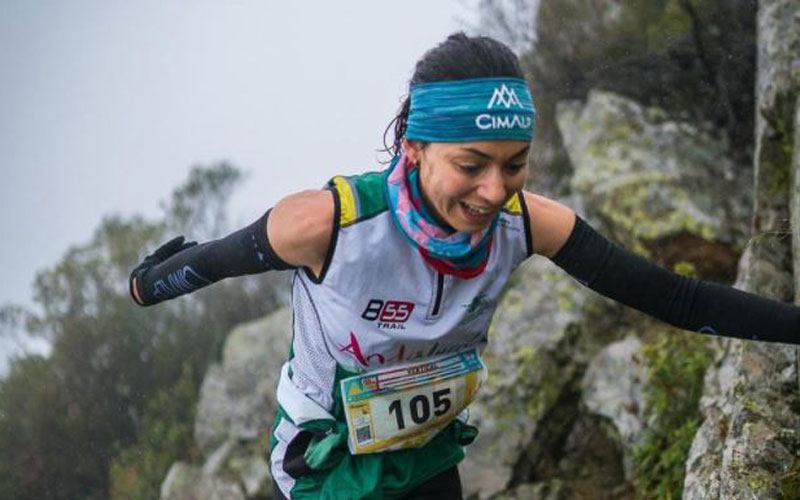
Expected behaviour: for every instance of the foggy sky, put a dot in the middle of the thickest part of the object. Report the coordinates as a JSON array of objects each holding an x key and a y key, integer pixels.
[{"x": 105, "y": 105}]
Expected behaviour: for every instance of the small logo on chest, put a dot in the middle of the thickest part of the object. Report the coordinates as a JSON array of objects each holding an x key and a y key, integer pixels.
[
  {"x": 389, "y": 314},
  {"x": 476, "y": 308}
]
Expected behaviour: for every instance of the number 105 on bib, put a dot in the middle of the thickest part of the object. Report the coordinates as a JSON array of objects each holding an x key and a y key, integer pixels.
[{"x": 405, "y": 406}]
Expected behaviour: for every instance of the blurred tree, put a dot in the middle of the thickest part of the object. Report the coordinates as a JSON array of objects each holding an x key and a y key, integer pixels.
[
  {"x": 13, "y": 340},
  {"x": 165, "y": 435},
  {"x": 512, "y": 21},
  {"x": 114, "y": 365},
  {"x": 199, "y": 205}
]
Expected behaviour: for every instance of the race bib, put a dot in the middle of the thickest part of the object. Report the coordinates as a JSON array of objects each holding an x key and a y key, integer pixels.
[{"x": 405, "y": 406}]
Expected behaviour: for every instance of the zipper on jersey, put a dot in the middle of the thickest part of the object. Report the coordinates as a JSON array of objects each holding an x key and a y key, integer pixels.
[{"x": 437, "y": 297}]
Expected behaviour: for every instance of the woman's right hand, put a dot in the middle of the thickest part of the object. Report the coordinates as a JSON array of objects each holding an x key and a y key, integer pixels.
[{"x": 161, "y": 254}]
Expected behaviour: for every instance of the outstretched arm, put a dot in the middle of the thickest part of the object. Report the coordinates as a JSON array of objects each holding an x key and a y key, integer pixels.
[
  {"x": 290, "y": 235},
  {"x": 678, "y": 300}
]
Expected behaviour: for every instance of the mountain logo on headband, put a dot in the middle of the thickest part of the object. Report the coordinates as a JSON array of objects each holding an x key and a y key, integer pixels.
[{"x": 503, "y": 96}]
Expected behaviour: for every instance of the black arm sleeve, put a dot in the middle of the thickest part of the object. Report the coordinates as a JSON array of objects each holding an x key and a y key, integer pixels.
[
  {"x": 678, "y": 300},
  {"x": 247, "y": 251}
]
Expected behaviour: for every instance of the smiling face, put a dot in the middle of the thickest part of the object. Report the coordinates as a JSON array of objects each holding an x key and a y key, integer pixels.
[{"x": 467, "y": 183}]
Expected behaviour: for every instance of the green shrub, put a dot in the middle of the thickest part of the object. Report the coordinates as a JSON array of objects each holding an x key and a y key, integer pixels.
[
  {"x": 676, "y": 363},
  {"x": 164, "y": 437}
]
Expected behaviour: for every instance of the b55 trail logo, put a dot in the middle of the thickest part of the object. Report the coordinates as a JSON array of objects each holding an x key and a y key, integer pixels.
[{"x": 390, "y": 314}]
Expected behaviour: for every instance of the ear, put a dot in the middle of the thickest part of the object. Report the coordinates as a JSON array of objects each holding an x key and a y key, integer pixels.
[{"x": 413, "y": 150}]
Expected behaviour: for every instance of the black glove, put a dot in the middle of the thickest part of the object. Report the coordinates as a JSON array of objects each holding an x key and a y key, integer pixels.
[{"x": 165, "y": 251}]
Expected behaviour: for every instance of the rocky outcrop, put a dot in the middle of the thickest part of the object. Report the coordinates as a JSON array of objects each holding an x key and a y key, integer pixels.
[
  {"x": 664, "y": 189},
  {"x": 237, "y": 398},
  {"x": 612, "y": 388},
  {"x": 561, "y": 376},
  {"x": 536, "y": 436},
  {"x": 535, "y": 364},
  {"x": 795, "y": 203},
  {"x": 184, "y": 482},
  {"x": 694, "y": 60},
  {"x": 747, "y": 446}
]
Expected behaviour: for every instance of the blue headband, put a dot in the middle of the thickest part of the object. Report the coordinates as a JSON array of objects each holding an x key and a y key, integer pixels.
[{"x": 471, "y": 110}]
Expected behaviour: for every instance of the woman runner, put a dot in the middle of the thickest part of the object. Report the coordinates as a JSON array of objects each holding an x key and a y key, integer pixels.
[{"x": 397, "y": 275}]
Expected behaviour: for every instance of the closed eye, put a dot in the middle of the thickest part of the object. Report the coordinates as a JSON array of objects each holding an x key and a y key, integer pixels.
[
  {"x": 515, "y": 167},
  {"x": 470, "y": 169}
]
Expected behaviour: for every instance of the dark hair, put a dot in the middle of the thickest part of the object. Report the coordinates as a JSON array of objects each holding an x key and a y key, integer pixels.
[{"x": 458, "y": 58}]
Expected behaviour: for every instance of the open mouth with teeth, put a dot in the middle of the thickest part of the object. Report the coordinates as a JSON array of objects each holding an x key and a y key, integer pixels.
[
  {"x": 476, "y": 210},
  {"x": 475, "y": 214}
]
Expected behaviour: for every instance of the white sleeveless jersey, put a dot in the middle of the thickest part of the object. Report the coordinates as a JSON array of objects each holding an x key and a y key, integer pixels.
[{"x": 377, "y": 302}]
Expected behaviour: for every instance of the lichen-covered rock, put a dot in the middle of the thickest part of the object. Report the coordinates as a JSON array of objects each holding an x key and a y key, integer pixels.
[
  {"x": 694, "y": 59},
  {"x": 795, "y": 203},
  {"x": 215, "y": 461},
  {"x": 181, "y": 478},
  {"x": 705, "y": 455},
  {"x": 612, "y": 387},
  {"x": 187, "y": 482},
  {"x": 777, "y": 89},
  {"x": 747, "y": 400},
  {"x": 655, "y": 183},
  {"x": 244, "y": 462},
  {"x": 237, "y": 397},
  {"x": 746, "y": 447},
  {"x": 778, "y": 53},
  {"x": 755, "y": 458},
  {"x": 533, "y": 363},
  {"x": 253, "y": 471},
  {"x": 212, "y": 419}
]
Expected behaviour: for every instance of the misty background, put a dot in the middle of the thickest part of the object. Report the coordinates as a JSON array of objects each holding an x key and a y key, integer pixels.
[{"x": 107, "y": 105}]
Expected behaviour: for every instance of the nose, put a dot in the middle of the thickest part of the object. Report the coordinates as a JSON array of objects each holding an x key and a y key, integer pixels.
[{"x": 493, "y": 187}]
